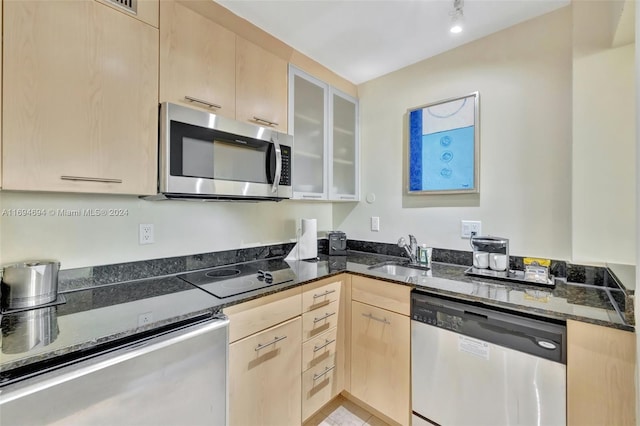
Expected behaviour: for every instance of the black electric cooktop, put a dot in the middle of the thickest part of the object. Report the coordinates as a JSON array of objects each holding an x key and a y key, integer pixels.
[{"x": 227, "y": 281}]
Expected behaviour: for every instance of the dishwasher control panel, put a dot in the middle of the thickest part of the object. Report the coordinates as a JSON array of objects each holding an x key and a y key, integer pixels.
[{"x": 432, "y": 316}]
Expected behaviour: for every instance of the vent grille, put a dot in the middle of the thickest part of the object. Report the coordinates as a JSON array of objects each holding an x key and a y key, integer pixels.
[{"x": 129, "y": 5}]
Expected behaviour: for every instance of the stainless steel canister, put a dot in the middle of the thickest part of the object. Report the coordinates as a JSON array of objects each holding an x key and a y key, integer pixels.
[{"x": 29, "y": 284}]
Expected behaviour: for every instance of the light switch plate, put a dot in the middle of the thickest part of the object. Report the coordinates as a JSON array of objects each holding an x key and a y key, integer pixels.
[
  {"x": 375, "y": 223},
  {"x": 469, "y": 226}
]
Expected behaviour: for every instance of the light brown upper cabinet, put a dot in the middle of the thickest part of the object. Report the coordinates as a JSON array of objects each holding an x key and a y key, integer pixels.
[
  {"x": 197, "y": 60},
  {"x": 145, "y": 10},
  {"x": 80, "y": 99},
  {"x": 261, "y": 86},
  {"x": 210, "y": 67}
]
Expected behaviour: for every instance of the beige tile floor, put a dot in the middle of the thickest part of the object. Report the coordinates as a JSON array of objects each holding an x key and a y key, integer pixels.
[{"x": 342, "y": 412}]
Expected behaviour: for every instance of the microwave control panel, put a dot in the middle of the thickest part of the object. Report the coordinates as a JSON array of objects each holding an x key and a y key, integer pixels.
[{"x": 285, "y": 174}]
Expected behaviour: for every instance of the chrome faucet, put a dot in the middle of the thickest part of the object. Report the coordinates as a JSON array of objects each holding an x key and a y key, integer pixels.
[{"x": 411, "y": 248}]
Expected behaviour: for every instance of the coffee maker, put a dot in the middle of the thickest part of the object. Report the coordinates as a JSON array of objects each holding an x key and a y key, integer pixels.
[{"x": 490, "y": 255}]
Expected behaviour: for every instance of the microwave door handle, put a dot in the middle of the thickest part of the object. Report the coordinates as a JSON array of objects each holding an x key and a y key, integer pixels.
[{"x": 276, "y": 179}]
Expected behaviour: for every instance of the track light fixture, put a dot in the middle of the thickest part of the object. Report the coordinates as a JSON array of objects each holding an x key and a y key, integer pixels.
[{"x": 456, "y": 16}]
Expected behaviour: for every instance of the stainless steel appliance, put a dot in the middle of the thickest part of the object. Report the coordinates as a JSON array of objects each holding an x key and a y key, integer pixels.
[
  {"x": 477, "y": 366},
  {"x": 337, "y": 243},
  {"x": 177, "y": 378},
  {"x": 228, "y": 281},
  {"x": 209, "y": 157},
  {"x": 29, "y": 284}
]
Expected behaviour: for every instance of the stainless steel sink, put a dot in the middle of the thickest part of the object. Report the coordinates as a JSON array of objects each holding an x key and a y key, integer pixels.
[{"x": 401, "y": 269}]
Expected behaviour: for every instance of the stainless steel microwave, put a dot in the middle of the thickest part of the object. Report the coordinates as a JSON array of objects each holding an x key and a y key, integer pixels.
[{"x": 204, "y": 156}]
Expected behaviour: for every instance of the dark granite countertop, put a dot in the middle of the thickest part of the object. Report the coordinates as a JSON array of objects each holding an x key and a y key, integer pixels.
[{"x": 98, "y": 315}]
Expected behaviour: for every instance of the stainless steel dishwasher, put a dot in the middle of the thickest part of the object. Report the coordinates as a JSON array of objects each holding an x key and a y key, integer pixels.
[
  {"x": 175, "y": 378},
  {"x": 477, "y": 366}
]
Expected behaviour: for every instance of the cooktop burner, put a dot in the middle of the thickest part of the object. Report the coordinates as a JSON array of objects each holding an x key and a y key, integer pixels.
[
  {"x": 222, "y": 273},
  {"x": 226, "y": 282}
]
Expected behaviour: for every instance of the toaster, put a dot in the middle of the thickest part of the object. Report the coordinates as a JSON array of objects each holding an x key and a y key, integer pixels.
[{"x": 337, "y": 243}]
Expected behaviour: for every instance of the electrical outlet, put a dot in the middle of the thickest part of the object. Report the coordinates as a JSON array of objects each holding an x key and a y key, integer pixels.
[
  {"x": 145, "y": 318},
  {"x": 145, "y": 233},
  {"x": 469, "y": 226},
  {"x": 375, "y": 223}
]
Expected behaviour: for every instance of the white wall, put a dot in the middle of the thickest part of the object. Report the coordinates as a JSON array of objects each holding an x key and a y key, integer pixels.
[
  {"x": 181, "y": 227},
  {"x": 604, "y": 169},
  {"x": 523, "y": 75}
]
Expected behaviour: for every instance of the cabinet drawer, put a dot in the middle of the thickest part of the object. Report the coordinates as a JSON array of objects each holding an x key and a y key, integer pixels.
[
  {"x": 393, "y": 297},
  {"x": 258, "y": 314},
  {"x": 319, "y": 349},
  {"x": 263, "y": 388},
  {"x": 319, "y": 320},
  {"x": 314, "y": 297},
  {"x": 319, "y": 386}
]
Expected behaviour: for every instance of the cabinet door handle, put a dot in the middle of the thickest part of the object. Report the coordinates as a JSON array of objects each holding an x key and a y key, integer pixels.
[
  {"x": 370, "y": 316},
  {"x": 91, "y": 179},
  {"x": 315, "y": 296},
  {"x": 326, "y": 370},
  {"x": 327, "y": 315},
  {"x": 200, "y": 101},
  {"x": 347, "y": 198},
  {"x": 312, "y": 196},
  {"x": 326, "y": 343},
  {"x": 262, "y": 120},
  {"x": 273, "y": 342}
]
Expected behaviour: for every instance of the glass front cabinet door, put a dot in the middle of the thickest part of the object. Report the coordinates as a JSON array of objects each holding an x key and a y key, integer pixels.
[
  {"x": 324, "y": 123},
  {"x": 343, "y": 149}
]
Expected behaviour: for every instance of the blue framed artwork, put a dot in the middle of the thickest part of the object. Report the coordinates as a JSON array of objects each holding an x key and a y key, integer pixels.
[{"x": 444, "y": 146}]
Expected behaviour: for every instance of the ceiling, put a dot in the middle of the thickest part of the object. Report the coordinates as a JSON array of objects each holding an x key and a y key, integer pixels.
[{"x": 364, "y": 39}]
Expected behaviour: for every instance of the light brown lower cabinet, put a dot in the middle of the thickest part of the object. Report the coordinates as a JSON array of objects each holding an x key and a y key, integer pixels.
[
  {"x": 265, "y": 383},
  {"x": 319, "y": 385},
  {"x": 601, "y": 371},
  {"x": 380, "y": 360},
  {"x": 323, "y": 339},
  {"x": 367, "y": 353}
]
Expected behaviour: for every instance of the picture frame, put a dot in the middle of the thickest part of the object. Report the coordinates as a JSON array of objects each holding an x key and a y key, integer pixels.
[{"x": 443, "y": 146}]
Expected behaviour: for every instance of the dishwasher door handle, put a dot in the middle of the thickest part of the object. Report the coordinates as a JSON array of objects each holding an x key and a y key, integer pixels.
[{"x": 475, "y": 314}]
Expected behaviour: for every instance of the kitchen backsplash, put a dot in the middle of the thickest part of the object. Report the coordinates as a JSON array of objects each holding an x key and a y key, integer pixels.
[{"x": 71, "y": 279}]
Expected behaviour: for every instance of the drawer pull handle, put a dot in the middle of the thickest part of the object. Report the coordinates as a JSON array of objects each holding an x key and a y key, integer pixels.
[
  {"x": 326, "y": 343},
  {"x": 273, "y": 342},
  {"x": 327, "y": 315},
  {"x": 370, "y": 316},
  {"x": 91, "y": 179},
  {"x": 200, "y": 101},
  {"x": 316, "y": 296},
  {"x": 262, "y": 120},
  {"x": 326, "y": 370}
]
